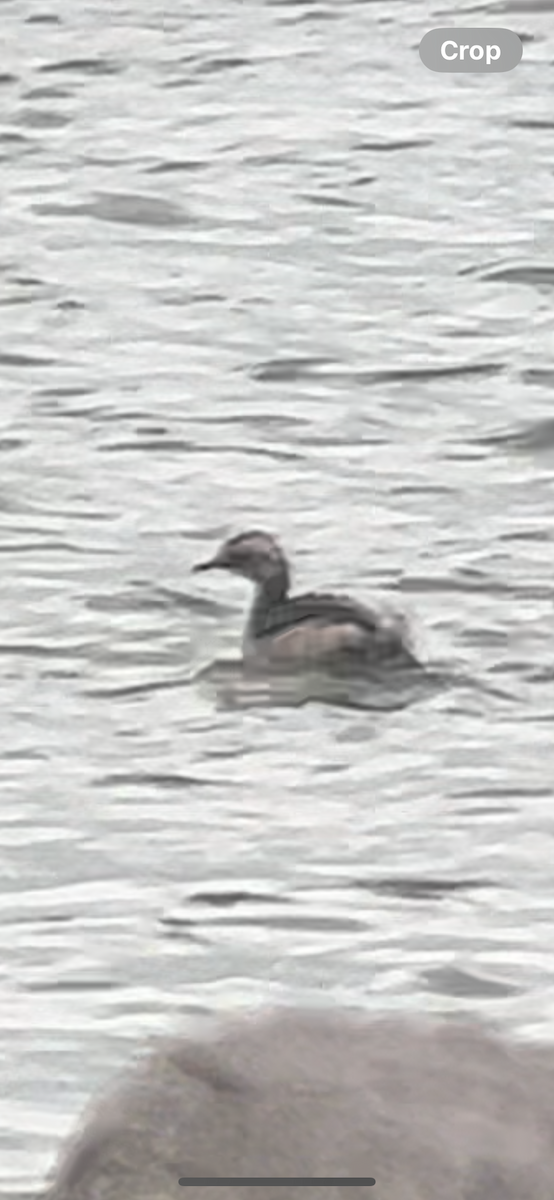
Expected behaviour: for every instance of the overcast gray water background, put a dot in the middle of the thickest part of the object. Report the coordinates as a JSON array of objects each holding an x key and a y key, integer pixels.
[{"x": 259, "y": 267}]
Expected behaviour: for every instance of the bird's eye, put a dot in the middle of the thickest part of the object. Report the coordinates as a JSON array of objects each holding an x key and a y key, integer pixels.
[{"x": 239, "y": 560}]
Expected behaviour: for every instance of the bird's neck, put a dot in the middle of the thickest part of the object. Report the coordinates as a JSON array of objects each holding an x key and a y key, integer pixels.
[{"x": 268, "y": 595}]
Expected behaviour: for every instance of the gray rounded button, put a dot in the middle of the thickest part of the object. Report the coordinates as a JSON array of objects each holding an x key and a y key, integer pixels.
[{"x": 468, "y": 50}]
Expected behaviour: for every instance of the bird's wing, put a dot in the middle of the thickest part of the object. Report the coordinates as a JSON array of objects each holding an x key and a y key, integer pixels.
[
  {"x": 321, "y": 608},
  {"x": 364, "y": 631}
]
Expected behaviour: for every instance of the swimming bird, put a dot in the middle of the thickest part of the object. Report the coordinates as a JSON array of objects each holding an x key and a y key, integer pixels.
[
  {"x": 428, "y": 1110},
  {"x": 316, "y": 629}
]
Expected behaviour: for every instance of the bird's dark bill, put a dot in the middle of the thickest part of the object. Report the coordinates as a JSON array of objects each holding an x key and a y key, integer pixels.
[{"x": 210, "y": 565}]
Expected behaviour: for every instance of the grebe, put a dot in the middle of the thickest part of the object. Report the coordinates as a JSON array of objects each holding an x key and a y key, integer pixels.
[{"x": 315, "y": 629}]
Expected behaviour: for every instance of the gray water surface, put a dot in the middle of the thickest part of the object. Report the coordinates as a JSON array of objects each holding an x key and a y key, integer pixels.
[{"x": 261, "y": 268}]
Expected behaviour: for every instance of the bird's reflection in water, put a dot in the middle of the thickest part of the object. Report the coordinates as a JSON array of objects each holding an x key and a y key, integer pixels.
[{"x": 237, "y": 686}]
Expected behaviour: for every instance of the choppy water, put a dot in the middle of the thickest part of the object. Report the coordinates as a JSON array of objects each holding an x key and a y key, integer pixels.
[{"x": 260, "y": 267}]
